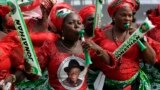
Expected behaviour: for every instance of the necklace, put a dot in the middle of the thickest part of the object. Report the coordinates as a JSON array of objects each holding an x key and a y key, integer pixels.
[
  {"x": 66, "y": 48},
  {"x": 115, "y": 39}
]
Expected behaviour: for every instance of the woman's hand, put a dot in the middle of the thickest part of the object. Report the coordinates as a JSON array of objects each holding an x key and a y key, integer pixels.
[
  {"x": 48, "y": 4},
  {"x": 6, "y": 84},
  {"x": 89, "y": 44},
  {"x": 2, "y": 85},
  {"x": 28, "y": 72}
]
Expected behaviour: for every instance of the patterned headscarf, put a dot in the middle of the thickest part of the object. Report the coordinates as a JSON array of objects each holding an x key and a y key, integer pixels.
[
  {"x": 117, "y": 4},
  {"x": 86, "y": 11},
  {"x": 57, "y": 15}
]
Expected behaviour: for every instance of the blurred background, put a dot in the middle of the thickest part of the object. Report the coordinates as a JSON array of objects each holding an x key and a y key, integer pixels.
[{"x": 140, "y": 16}]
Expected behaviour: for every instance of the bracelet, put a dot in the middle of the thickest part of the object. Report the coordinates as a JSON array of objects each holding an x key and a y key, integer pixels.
[{"x": 13, "y": 78}]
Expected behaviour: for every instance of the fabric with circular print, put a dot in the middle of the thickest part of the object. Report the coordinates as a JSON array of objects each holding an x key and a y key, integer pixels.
[{"x": 71, "y": 73}]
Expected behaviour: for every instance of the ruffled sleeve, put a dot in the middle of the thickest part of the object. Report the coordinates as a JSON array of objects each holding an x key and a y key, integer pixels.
[
  {"x": 98, "y": 35},
  {"x": 98, "y": 62},
  {"x": 5, "y": 64},
  {"x": 17, "y": 58},
  {"x": 156, "y": 46},
  {"x": 38, "y": 38},
  {"x": 11, "y": 38},
  {"x": 44, "y": 54}
]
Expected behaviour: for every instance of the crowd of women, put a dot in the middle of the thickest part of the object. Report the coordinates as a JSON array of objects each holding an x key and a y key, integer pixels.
[{"x": 55, "y": 28}]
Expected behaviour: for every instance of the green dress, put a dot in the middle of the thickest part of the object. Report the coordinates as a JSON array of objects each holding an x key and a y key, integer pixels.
[{"x": 153, "y": 75}]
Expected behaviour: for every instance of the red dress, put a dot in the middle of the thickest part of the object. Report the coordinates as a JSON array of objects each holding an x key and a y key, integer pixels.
[
  {"x": 129, "y": 64},
  {"x": 56, "y": 62}
]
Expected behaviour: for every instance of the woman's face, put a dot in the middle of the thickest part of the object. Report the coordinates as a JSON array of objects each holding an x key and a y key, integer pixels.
[
  {"x": 71, "y": 27},
  {"x": 88, "y": 24},
  {"x": 123, "y": 16}
]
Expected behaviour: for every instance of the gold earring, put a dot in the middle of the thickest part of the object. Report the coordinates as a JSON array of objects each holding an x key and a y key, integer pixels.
[{"x": 62, "y": 38}]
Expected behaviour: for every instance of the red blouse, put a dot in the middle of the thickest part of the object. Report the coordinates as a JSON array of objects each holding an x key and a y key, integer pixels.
[
  {"x": 12, "y": 48},
  {"x": 56, "y": 62},
  {"x": 129, "y": 61},
  {"x": 8, "y": 63}
]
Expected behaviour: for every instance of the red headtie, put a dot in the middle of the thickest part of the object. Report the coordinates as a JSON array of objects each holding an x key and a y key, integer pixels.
[
  {"x": 86, "y": 11},
  {"x": 117, "y": 4},
  {"x": 154, "y": 16},
  {"x": 4, "y": 10},
  {"x": 56, "y": 20}
]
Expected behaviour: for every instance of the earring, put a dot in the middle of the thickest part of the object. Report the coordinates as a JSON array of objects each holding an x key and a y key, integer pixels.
[{"x": 62, "y": 38}]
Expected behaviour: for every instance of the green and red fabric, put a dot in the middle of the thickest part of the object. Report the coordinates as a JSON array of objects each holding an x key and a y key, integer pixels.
[
  {"x": 56, "y": 61},
  {"x": 129, "y": 65},
  {"x": 57, "y": 19}
]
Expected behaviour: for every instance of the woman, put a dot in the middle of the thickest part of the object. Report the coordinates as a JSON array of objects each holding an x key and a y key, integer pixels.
[
  {"x": 125, "y": 74},
  {"x": 9, "y": 71},
  {"x": 87, "y": 13},
  {"x": 56, "y": 54}
]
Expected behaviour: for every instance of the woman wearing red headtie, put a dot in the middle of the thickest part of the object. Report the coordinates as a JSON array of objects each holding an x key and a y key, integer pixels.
[
  {"x": 38, "y": 30},
  {"x": 64, "y": 56},
  {"x": 126, "y": 75},
  {"x": 87, "y": 14},
  {"x": 10, "y": 70}
]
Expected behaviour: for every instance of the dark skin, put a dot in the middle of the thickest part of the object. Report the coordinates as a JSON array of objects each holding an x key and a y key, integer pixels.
[
  {"x": 71, "y": 26},
  {"x": 88, "y": 24},
  {"x": 72, "y": 43},
  {"x": 121, "y": 17}
]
